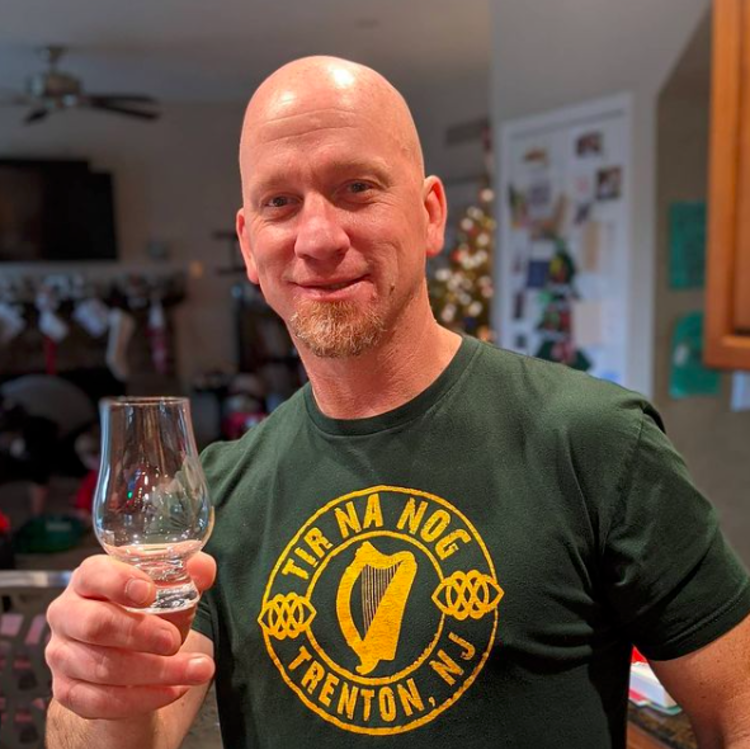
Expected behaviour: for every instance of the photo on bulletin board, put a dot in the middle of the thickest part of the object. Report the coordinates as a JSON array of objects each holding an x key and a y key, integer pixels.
[
  {"x": 565, "y": 179},
  {"x": 609, "y": 183},
  {"x": 590, "y": 144}
]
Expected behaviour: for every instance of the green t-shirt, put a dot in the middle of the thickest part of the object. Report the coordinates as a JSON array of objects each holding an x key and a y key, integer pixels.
[{"x": 468, "y": 570}]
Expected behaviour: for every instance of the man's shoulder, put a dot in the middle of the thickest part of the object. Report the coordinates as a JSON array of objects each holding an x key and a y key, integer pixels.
[
  {"x": 552, "y": 380},
  {"x": 556, "y": 399},
  {"x": 568, "y": 423}
]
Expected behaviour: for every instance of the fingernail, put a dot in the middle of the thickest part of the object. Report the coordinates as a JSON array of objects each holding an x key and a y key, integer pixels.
[
  {"x": 198, "y": 670},
  {"x": 138, "y": 591}
]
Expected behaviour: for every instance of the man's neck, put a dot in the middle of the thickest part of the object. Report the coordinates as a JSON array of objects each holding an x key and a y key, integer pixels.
[{"x": 390, "y": 374}]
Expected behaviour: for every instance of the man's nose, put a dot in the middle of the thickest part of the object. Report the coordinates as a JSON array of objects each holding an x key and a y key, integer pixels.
[{"x": 320, "y": 235}]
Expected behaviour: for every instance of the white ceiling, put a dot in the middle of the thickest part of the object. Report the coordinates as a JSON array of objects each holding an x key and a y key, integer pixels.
[
  {"x": 219, "y": 50},
  {"x": 437, "y": 52},
  {"x": 553, "y": 53}
]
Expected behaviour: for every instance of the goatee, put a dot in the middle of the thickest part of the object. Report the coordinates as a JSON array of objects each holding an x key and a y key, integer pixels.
[{"x": 336, "y": 330}]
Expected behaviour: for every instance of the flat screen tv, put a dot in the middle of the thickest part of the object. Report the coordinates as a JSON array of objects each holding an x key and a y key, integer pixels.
[{"x": 54, "y": 211}]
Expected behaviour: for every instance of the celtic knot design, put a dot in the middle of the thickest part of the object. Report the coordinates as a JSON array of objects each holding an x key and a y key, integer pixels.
[
  {"x": 286, "y": 616},
  {"x": 467, "y": 594}
]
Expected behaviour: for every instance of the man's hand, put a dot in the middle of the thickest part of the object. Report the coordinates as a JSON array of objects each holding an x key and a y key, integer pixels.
[{"x": 111, "y": 663}]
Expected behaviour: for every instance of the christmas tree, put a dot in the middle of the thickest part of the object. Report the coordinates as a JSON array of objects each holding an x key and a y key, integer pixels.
[{"x": 461, "y": 290}]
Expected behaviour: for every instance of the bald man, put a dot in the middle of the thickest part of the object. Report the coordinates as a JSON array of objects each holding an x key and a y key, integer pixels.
[{"x": 435, "y": 543}]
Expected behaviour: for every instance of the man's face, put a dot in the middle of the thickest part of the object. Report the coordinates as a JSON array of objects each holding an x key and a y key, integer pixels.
[{"x": 337, "y": 222}]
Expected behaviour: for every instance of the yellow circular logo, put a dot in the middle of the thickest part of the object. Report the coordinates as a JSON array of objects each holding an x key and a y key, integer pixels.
[{"x": 382, "y": 609}]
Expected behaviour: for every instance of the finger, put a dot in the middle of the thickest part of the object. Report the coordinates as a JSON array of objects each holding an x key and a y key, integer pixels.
[
  {"x": 202, "y": 568},
  {"x": 107, "y": 579},
  {"x": 108, "y": 625},
  {"x": 112, "y": 703},
  {"x": 114, "y": 667}
]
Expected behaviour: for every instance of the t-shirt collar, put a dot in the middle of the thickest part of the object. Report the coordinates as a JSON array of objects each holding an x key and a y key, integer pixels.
[{"x": 404, "y": 413}]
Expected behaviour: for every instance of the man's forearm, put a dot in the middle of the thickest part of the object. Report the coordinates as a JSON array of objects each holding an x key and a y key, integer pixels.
[{"x": 66, "y": 730}]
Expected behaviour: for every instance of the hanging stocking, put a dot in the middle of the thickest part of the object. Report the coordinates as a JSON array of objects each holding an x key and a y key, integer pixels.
[
  {"x": 93, "y": 316},
  {"x": 12, "y": 322},
  {"x": 158, "y": 337},
  {"x": 121, "y": 329},
  {"x": 54, "y": 328}
]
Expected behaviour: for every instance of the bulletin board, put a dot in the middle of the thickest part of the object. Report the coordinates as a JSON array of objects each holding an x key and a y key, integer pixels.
[{"x": 564, "y": 244}]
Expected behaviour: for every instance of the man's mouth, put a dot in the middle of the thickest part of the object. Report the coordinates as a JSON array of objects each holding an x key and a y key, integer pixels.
[{"x": 335, "y": 286}]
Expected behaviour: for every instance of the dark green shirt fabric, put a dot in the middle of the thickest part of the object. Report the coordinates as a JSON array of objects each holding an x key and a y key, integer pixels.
[{"x": 468, "y": 570}]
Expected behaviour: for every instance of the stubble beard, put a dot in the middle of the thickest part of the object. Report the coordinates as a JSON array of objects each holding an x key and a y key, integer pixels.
[{"x": 336, "y": 330}]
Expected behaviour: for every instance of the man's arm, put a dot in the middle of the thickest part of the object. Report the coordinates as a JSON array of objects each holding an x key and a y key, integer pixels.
[
  {"x": 162, "y": 729},
  {"x": 713, "y": 686}
]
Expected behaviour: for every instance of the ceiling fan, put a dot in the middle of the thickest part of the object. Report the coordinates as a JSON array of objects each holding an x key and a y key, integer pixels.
[{"x": 53, "y": 90}]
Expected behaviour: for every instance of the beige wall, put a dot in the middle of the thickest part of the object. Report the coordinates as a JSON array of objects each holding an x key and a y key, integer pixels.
[{"x": 714, "y": 440}]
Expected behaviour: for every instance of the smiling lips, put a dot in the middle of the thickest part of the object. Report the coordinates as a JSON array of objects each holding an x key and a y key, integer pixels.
[
  {"x": 327, "y": 287},
  {"x": 333, "y": 286}
]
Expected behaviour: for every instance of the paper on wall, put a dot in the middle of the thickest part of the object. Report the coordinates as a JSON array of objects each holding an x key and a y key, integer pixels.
[
  {"x": 740, "y": 400},
  {"x": 588, "y": 328},
  {"x": 591, "y": 246}
]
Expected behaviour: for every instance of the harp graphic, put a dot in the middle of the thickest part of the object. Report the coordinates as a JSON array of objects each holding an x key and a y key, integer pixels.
[{"x": 385, "y": 585}]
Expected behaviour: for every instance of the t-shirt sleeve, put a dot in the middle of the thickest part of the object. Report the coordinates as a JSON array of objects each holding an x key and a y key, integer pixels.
[
  {"x": 203, "y": 621},
  {"x": 673, "y": 580}
]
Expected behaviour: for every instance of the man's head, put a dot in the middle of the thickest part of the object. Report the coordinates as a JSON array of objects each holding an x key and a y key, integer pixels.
[{"x": 337, "y": 217}]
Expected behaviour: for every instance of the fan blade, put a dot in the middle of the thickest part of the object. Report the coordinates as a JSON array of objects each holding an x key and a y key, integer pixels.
[
  {"x": 35, "y": 115},
  {"x": 128, "y": 111},
  {"x": 114, "y": 98}
]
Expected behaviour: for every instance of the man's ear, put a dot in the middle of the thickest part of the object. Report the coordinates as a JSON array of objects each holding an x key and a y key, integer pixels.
[
  {"x": 436, "y": 206},
  {"x": 247, "y": 254}
]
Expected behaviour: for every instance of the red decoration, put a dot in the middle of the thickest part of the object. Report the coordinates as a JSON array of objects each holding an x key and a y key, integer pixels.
[{"x": 50, "y": 356}]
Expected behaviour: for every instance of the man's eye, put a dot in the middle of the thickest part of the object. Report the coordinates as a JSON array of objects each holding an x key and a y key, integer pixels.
[
  {"x": 359, "y": 187},
  {"x": 279, "y": 201}
]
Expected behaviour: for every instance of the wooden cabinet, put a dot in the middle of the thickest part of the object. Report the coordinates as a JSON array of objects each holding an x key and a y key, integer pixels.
[{"x": 727, "y": 332}]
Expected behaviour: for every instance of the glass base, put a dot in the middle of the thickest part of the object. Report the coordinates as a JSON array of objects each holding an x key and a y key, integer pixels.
[{"x": 171, "y": 598}]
